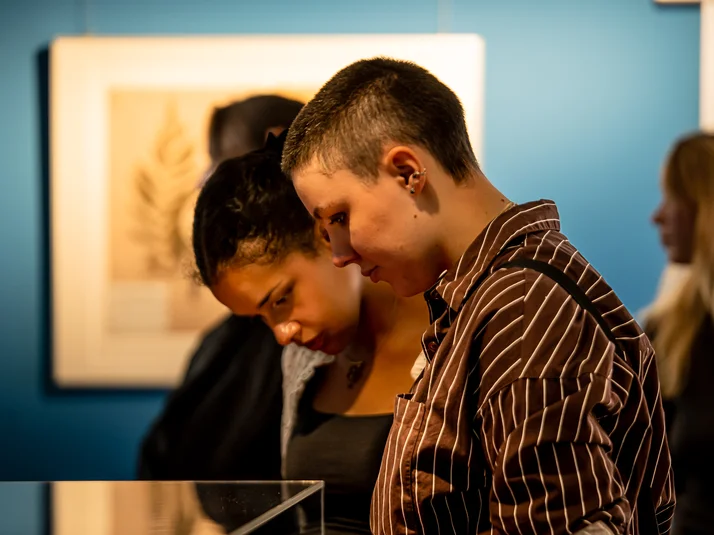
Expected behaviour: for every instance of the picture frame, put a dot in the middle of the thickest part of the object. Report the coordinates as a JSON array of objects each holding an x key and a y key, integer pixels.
[
  {"x": 127, "y": 507},
  {"x": 114, "y": 323},
  {"x": 706, "y": 60},
  {"x": 706, "y": 66}
]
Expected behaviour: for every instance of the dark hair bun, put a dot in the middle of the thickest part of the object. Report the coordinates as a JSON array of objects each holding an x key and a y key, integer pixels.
[{"x": 276, "y": 143}]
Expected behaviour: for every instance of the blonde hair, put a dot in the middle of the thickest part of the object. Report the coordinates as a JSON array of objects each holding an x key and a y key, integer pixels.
[{"x": 677, "y": 318}]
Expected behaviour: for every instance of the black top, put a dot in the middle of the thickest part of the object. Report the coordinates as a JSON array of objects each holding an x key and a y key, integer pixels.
[
  {"x": 223, "y": 422},
  {"x": 346, "y": 453},
  {"x": 691, "y": 440}
]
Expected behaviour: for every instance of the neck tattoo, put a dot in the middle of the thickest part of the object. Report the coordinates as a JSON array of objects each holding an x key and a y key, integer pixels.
[{"x": 354, "y": 373}]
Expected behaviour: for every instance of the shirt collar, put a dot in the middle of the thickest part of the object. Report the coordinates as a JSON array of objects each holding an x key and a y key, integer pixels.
[{"x": 515, "y": 222}]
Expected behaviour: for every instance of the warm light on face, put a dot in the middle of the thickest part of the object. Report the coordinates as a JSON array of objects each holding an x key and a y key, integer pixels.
[
  {"x": 304, "y": 299},
  {"x": 374, "y": 224}
]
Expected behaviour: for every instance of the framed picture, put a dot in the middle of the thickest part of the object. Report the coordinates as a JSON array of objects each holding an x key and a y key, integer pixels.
[
  {"x": 181, "y": 507},
  {"x": 706, "y": 69},
  {"x": 706, "y": 61},
  {"x": 128, "y": 144},
  {"x": 128, "y": 507}
]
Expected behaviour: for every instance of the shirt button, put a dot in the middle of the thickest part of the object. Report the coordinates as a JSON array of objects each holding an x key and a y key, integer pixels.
[{"x": 432, "y": 347}]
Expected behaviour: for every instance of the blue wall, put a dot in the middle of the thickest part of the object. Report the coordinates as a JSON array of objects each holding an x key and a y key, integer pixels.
[{"x": 582, "y": 100}]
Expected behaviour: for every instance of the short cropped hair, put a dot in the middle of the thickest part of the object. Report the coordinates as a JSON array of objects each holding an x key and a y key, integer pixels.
[{"x": 370, "y": 103}]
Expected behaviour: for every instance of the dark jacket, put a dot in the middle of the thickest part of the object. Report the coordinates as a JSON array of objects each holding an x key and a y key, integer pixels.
[
  {"x": 690, "y": 430},
  {"x": 223, "y": 421}
]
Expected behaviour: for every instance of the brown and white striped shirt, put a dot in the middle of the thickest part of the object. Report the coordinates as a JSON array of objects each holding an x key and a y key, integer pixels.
[{"x": 527, "y": 418}]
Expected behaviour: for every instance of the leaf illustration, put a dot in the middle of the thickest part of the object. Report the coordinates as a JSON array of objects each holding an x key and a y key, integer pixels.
[{"x": 163, "y": 184}]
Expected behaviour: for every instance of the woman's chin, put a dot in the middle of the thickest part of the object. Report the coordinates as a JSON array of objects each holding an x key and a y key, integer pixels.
[
  {"x": 334, "y": 345},
  {"x": 333, "y": 349}
]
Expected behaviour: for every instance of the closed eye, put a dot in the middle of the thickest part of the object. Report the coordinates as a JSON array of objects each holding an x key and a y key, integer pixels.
[{"x": 283, "y": 299}]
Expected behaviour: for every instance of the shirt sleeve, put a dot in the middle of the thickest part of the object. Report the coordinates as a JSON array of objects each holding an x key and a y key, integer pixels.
[
  {"x": 543, "y": 369},
  {"x": 548, "y": 476}
]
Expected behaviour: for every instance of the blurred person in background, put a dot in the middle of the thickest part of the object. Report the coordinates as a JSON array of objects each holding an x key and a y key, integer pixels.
[
  {"x": 223, "y": 421},
  {"x": 681, "y": 327},
  {"x": 350, "y": 343}
]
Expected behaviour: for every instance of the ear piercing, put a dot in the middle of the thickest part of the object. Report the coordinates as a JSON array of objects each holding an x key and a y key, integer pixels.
[{"x": 415, "y": 176}]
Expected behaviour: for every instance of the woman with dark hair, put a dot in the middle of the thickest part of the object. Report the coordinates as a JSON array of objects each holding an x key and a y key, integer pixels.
[
  {"x": 350, "y": 344},
  {"x": 243, "y": 126},
  {"x": 223, "y": 421}
]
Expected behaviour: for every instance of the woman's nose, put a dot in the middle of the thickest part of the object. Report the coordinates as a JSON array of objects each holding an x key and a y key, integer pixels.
[
  {"x": 286, "y": 333},
  {"x": 344, "y": 260},
  {"x": 342, "y": 252}
]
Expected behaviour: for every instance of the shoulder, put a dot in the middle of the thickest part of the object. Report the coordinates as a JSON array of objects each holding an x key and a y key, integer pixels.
[
  {"x": 228, "y": 340},
  {"x": 503, "y": 285},
  {"x": 528, "y": 322}
]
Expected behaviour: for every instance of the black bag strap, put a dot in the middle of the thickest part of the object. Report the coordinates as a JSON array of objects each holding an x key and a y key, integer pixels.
[
  {"x": 568, "y": 285},
  {"x": 646, "y": 513}
]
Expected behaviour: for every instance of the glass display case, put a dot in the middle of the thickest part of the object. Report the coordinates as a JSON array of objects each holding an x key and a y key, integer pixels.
[{"x": 167, "y": 508}]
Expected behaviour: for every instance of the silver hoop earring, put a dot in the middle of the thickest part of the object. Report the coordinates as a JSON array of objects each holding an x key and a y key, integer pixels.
[{"x": 414, "y": 176}]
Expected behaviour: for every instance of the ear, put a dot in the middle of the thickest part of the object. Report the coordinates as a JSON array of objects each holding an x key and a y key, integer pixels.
[{"x": 404, "y": 164}]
